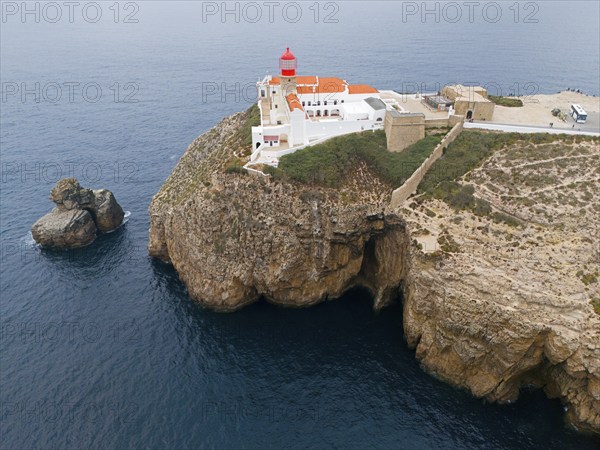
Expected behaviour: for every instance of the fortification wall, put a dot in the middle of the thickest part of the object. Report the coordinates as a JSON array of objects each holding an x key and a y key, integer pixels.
[
  {"x": 403, "y": 130},
  {"x": 400, "y": 195},
  {"x": 436, "y": 123}
]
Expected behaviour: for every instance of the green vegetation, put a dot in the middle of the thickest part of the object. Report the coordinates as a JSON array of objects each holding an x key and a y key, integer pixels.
[
  {"x": 588, "y": 278},
  {"x": 212, "y": 152},
  {"x": 596, "y": 304},
  {"x": 470, "y": 149},
  {"x": 243, "y": 136},
  {"x": 447, "y": 244},
  {"x": 506, "y": 101},
  {"x": 312, "y": 195},
  {"x": 235, "y": 167},
  {"x": 332, "y": 162},
  {"x": 463, "y": 155},
  {"x": 466, "y": 153}
]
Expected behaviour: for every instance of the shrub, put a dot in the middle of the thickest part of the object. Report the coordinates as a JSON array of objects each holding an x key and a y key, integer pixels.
[
  {"x": 482, "y": 207},
  {"x": 243, "y": 136},
  {"x": 587, "y": 278},
  {"x": 429, "y": 213},
  {"x": 311, "y": 195},
  {"x": 506, "y": 101},
  {"x": 596, "y": 304},
  {"x": 333, "y": 161},
  {"x": 470, "y": 149},
  {"x": 236, "y": 166},
  {"x": 447, "y": 244},
  {"x": 505, "y": 218}
]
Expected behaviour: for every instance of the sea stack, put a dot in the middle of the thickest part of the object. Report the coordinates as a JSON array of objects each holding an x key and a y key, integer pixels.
[{"x": 79, "y": 215}]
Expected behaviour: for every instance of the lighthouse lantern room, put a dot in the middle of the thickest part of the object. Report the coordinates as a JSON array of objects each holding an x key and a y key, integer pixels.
[{"x": 288, "y": 64}]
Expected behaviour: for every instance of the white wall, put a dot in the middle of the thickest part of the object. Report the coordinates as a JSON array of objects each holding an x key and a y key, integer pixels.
[{"x": 298, "y": 128}]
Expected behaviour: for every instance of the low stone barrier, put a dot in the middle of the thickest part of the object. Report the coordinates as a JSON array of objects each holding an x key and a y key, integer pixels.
[{"x": 436, "y": 123}]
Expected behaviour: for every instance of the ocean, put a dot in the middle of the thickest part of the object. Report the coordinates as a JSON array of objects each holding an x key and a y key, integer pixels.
[{"x": 102, "y": 348}]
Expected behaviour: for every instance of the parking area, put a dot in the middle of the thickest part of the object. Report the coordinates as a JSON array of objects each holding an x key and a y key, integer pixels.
[{"x": 537, "y": 111}]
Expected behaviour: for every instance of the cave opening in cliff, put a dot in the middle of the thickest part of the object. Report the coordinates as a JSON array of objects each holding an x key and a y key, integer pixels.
[
  {"x": 373, "y": 270},
  {"x": 369, "y": 262}
]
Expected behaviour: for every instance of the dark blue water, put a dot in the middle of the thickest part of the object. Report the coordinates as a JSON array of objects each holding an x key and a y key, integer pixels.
[{"x": 101, "y": 347}]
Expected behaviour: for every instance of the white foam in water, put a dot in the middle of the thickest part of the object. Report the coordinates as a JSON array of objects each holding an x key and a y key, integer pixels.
[
  {"x": 29, "y": 241},
  {"x": 125, "y": 220}
]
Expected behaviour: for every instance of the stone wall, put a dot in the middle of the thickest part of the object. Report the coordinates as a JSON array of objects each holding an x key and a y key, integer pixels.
[
  {"x": 436, "y": 123},
  {"x": 402, "y": 130},
  {"x": 400, "y": 195},
  {"x": 481, "y": 110},
  {"x": 454, "y": 119}
]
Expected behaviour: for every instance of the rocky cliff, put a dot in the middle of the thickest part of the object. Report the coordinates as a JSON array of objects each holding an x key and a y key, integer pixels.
[
  {"x": 477, "y": 323},
  {"x": 502, "y": 295},
  {"x": 235, "y": 238}
]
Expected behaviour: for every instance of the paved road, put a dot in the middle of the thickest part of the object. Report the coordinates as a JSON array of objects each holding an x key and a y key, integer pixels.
[{"x": 526, "y": 129}]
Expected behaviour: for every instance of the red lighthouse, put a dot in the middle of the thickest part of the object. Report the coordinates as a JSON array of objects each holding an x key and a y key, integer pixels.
[{"x": 288, "y": 64}]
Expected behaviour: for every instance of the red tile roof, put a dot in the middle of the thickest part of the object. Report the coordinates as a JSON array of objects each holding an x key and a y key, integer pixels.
[
  {"x": 293, "y": 102},
  {"x": 311, "y": 80},
  {"x": 362, "y": 89},
  {"x": 312, "y": 84}
]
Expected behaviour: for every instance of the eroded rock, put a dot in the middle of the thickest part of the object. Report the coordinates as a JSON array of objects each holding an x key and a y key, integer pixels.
[
  {"x": 236, "y": 238},
  {"x": 482, "y": 320},
  {"x": 79, "y": 214},
  {"x": 108, "y": 214},
  {"x": 64, "y": 229}
]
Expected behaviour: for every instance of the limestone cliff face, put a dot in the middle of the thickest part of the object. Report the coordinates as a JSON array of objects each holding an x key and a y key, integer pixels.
[
  {"x": 234, "y": 238},
  {"x": 464, "y": 336},
  {"x": 499, "y": 305}
]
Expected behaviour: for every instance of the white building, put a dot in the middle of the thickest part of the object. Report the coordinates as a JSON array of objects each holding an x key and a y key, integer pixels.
[{"x": 297, "y": 111}]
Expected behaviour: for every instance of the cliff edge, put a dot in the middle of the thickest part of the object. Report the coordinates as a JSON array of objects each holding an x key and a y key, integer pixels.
[
  {"x": 234, "y": 237},
  {"x": 478, "y": 316}
]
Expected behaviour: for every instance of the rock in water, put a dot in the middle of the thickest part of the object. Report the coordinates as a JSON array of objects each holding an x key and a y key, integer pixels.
[
  {"x": 108, "y": 214},
  {"x": 79, "y": 214},
  {"x": 68, "y": 194},
  {"x": 64, "y": 229}
]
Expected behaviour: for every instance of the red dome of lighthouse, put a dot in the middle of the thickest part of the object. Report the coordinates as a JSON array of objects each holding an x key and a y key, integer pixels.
[{"x": 288, "y": 64}]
